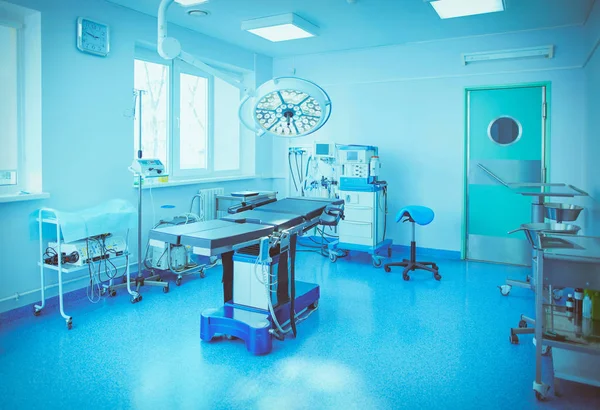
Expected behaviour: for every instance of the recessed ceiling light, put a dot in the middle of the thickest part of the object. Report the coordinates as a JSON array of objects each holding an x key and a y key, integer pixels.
[
  {"x": 197, "y": 13},
  {"x": 281, "y": 28},
  {"x": 447, "y": 9},
  {"x": 188, "y": 3}
]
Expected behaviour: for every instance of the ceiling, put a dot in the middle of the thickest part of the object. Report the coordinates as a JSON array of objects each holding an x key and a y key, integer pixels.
[{"x": 363, "y": 23}]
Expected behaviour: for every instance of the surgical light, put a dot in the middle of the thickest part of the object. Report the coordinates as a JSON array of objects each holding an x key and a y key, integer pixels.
[
  {"x": 286, "y": 107},
  {"x": 281, "y": 27},
  {"x": 188, "y": 3},
  {"x": 459, "y": 8}
]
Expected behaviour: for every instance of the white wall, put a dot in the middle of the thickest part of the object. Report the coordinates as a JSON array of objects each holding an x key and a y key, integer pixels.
[
  {"x": 87, "y": 139},
  {"x": 592, "y": 140},
  {"x": 409, "y": 101}
]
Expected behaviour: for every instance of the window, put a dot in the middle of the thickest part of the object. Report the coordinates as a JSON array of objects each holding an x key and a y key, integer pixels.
[
  {"x": 504, "y": 131},
  {"x": 189, "y": 119},
  {"x": 9, "y": 110},
  {"x": 20, "y": 100}
]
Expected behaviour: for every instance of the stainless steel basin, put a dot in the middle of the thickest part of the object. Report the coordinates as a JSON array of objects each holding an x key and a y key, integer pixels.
[{"x": 562, "y": 212}]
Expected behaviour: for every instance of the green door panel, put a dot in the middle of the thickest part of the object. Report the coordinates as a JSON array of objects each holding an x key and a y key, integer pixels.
[{"x": 492, "y": 214}]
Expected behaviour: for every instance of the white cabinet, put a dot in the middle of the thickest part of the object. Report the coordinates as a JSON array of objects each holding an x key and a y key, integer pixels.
[{"x": 364, "y": 222}]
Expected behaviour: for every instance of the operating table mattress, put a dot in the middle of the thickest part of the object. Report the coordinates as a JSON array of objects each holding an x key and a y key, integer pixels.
[
  {"x": 279, "y": 221},
  {"x": 172, "y": 234},
  {"x": 309, "y": 208},
  {"x": 228, "y": 236}
]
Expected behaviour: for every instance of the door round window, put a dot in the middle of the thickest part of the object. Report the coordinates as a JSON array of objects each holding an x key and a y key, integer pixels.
[{"x": 504, "y": 130}]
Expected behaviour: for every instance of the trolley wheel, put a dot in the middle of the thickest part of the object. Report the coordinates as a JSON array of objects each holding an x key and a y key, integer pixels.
[
  {"x": 405, "y": 276},
  {"x": 314, "y": 305},
  {"x": 505, "y": 289},
  {"x": 333, "y": 257},
  {"x": 377, "y": 262},
  {"x": 136, "y": 299},
  {"x": 202, "y": 274},
  {"x": 166, "y": 289},
  {"x": 387, "y": 269},
  {"x": 540, "y": 396},
  {"x": 514, "y": 339},
  {"x": 389, "y": 252},
  {"x": 177, "y": 282},
  {"x": 522, "y": 324},
  {"x": 69, "y": 323},
  {"x": 124, "y": 278},
  {"x": 557, "y": 294},
  {"x": 437, "y": 276},
  {"x": 546, "y": 350},
  {"x": 112, "y": 293},
  {"x": 37, "y": 312}
]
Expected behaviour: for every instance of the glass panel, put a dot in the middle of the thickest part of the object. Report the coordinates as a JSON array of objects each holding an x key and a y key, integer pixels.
[
  {"x": 8, "y": 106},
  {"x": 193, "y": 125},
  {"x": 154, "y": 80},
  {"x": 504, "y": 130},
  {"x": 227, "y": 127}
]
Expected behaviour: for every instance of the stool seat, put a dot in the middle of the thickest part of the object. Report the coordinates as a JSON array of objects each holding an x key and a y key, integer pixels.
[{"x": 415, "y": 213}]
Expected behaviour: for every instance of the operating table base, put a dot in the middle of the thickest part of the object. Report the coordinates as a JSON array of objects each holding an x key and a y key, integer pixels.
[{"x": 253, "y": 325}]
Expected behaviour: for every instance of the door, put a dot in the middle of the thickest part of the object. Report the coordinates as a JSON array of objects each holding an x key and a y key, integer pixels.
[{"x": 505, "y": 137}]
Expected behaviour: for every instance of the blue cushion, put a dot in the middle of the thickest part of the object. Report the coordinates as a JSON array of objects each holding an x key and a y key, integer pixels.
[{"x": 420, "y": 214}]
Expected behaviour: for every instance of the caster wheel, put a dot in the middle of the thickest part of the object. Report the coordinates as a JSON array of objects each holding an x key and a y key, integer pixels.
[
  {"x": 177, "y": 282},
  {"x": 405, "y": 277},
  {"x": 124, "y": 278},
  {"x": 377, "y": 262},
  {"x": 539, "y": 396},
  {"x": 136, "y": 299},
  {"x": 333, "y": 257},
  {"x": 437, "y": 276},
  {"x": 546, "y": 350},
  {"x": 522, "y": 324},
  {"x": 113, "y": 293},
  {"x": 166, "y": 289},
  {"x": 314, "y": 305},
  {"x": 389, "y": 252},
  {"x": 36, "y": 312},
  {"x": 505, "y": 289},
  {"x": 387, "y": 269},
  {"x": 202, "y": 274},
  {"x": 70, "y": 324},
  {"x": 514, "y": 339}
]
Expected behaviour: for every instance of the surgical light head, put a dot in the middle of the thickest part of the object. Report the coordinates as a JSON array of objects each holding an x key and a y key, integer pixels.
[{"x": 286, "y": 107}]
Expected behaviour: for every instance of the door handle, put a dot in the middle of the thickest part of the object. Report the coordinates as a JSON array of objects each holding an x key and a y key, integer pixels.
[{"x": 490, "y": 173}]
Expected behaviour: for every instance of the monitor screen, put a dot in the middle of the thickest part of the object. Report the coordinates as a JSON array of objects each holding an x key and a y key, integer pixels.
[
  {"x": 322, "y": 149},
  {"x": 352, "y": 156}
]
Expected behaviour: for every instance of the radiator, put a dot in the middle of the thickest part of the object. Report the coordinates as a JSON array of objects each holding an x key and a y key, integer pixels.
[{"x": 208, "y": 202}]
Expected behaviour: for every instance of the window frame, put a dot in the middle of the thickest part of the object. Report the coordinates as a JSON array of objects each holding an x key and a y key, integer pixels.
[
  {"x": 176, "y": 68},
  {"x": 21, "y": 169}
]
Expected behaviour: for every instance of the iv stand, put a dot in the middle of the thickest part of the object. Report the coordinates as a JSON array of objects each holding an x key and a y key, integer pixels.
[{"x": 154, "y": 280}]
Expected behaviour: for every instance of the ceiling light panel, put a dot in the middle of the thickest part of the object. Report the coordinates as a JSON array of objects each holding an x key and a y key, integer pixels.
[
  {"x": 281, "y": 28},
  {"x": 447, "y": 9},
  {"x": 189, "y": 3}
]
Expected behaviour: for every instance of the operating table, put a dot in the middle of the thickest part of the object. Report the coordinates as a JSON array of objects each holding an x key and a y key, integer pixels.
[{"x": 257, "y": 245}]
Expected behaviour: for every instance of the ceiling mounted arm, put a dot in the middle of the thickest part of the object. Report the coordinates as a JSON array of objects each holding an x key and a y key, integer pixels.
[{"x": 169, "y": 48}]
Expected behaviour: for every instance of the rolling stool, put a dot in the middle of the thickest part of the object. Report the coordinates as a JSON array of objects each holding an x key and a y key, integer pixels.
[{"x": 423, "y": 216}]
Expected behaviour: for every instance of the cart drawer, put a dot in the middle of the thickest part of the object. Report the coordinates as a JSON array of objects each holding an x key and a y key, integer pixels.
[
  {"x": 358, "y": 213},
  {"x": 358, "y": 198},
  {"x": 357, "y": 229}
]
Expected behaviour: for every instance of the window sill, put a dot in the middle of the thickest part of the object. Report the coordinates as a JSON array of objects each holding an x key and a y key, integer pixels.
[
  {"x": 198, "y": 181},
  {"x": 24, "y": 197}
]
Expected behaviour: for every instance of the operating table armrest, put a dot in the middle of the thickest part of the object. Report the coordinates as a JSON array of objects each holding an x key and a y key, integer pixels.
[{"x": 331, "y": 216}]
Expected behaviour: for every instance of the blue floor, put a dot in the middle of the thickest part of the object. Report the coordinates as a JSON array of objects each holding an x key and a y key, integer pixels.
[{"x": 376, "y": 342}]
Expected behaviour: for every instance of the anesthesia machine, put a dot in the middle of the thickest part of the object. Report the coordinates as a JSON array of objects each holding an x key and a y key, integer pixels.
[{"x": 365, "y": 198}]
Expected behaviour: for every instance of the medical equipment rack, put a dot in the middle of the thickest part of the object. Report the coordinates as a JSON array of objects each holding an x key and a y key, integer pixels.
[
  {"x": 567, "y": 261},
  {"x": 49, "y": 216}
]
